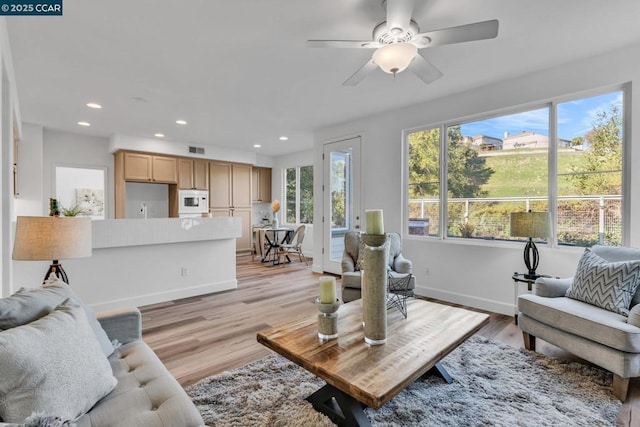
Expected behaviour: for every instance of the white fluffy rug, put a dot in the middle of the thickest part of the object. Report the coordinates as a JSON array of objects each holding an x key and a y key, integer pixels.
[{"x": 494, "y": 385}]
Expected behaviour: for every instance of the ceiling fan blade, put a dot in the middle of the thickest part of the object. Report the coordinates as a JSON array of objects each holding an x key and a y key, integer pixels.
[
  {"x": 424, "y": 69},
  {"x": 359, "y": 75},
  {"x": 399, "y": 14},
  {"x": 362, "y": 44},
  {"x": 463, "y": 33}
]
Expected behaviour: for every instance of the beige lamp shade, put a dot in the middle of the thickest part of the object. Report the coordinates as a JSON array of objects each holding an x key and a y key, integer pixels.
[
  {"x": 530, "y": 224},
  {"x": 45, "y": 238}
]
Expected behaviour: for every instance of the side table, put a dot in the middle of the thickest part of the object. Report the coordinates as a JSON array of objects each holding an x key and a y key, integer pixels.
[{"x": 522, "y": 278}]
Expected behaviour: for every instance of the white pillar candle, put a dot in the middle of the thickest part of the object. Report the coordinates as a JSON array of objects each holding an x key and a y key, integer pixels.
[
  {"x": 327, "y": 289},
  {"x": 375, "y": 223}
]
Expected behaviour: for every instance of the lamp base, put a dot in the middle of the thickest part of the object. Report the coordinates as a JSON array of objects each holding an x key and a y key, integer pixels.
[
  {"x": 56, "y": 269},
  {"x": 531, "y": 259}
]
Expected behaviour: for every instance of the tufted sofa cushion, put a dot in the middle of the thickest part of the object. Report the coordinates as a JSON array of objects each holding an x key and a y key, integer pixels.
[{"x": 146, "y": 394}]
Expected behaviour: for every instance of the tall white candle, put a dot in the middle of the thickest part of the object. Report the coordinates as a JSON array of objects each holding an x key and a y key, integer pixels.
[
  {"x": 327, "y": 289},
  {"x": 375, "y": 223}
]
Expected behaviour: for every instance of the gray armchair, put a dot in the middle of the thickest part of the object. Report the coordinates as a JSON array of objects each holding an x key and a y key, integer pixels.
[
  {"x": 602, "y": 337},
  {"x": 398, "y": 266}
]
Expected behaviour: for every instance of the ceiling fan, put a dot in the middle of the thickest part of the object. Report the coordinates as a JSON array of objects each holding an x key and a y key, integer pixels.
[{"x": 398, "y": 39}]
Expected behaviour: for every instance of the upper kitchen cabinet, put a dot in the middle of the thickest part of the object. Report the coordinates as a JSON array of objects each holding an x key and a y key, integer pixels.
[
  {"x": 193, "y": 174},
  {"x": 149, "y": 168},
  {"x": 241, "y": 185},
  {"x": 220, "y": 185},
  {"x": 229, "y": 185},
  {"x": 261, "y": 184}
]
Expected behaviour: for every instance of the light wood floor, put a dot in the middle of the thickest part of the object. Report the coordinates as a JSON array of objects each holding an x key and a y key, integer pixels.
[{"x": 205, "y": 335}]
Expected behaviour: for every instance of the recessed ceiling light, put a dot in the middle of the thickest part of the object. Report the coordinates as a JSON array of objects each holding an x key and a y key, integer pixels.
[
  {"x": 159, "y": 135},
  {"x": 84, "y": 123},
  {"x": 94, "y": 105},
  {"x": 257, "y": 145},
  {"x": 181, "y": 122},
  {"x": 284, "y": 138}
]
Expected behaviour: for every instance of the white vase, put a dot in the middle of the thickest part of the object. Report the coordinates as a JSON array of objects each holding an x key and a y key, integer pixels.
[{"x": 275, "y": 223}]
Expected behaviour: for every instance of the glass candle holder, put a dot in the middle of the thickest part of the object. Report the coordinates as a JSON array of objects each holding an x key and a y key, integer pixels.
[{"x": 327, "y": 319}]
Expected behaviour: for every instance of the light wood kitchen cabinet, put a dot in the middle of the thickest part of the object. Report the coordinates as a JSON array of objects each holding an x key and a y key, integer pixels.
[
  {"x": 241, "y": 186},
  {"x": 243, "y": 243},
  {"x": 230, "y": 195},
  {"x": 220, "y": 176},
  {"x": 148, "y": 168},
  {"x": 193, "y": 174},
  {"x": 229, "y": 185},
  {"x": 261, "y": 184}
]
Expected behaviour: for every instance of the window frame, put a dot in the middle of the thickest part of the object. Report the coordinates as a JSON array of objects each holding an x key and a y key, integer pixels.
[
  {"x": 552, "y": 168},
  {"x": 298, "y": 193}
]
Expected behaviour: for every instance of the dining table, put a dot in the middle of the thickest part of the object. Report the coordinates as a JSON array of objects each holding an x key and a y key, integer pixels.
[{"x": 275, "y": 237}]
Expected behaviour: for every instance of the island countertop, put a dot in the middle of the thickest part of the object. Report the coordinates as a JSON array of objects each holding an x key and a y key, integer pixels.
[{"x": 113, "y": 233}]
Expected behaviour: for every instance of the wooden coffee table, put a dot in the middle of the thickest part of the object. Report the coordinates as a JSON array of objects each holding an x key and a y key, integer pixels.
[{"x": 358, "y": 374}]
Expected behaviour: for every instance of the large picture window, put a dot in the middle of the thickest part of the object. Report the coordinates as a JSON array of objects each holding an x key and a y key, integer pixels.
[
  {"x": 566, "y": 157},
  {"x": 299, "y": 195}
]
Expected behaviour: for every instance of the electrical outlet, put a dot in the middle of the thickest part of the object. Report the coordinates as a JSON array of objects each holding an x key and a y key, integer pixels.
[
  {"x": 427, "y": 271},
  {"x": 184, "y": 271}
]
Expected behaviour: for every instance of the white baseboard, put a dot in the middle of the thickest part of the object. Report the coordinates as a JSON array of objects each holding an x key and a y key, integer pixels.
[
  {"x": 471, "y": 301},
  {"x": 140, "y": 300}
]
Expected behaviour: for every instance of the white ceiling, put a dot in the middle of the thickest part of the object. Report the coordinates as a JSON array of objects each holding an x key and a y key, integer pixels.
[{"x": 239, "y": 72}]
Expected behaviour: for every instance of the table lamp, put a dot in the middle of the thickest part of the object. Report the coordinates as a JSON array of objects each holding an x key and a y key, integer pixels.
[
  {"x": 44, "y": 238},
  {"x": 530, "y": 224}
]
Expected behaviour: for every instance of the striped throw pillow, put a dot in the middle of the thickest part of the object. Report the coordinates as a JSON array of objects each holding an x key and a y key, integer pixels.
[{"x": 605, "y": 284}]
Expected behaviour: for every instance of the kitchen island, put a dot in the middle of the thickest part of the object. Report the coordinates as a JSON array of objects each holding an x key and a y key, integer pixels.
[{"x": 145, "y": 261}]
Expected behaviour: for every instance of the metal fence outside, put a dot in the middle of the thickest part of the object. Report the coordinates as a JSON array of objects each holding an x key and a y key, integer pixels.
[{"x": 581, "y": 220}]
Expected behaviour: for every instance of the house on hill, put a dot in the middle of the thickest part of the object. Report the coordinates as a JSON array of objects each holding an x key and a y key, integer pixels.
[
  {"x": 528, "y": 139},
  {"x": 483, "y": 142}
]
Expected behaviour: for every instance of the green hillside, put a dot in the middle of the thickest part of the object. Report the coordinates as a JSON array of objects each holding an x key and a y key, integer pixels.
[{"x": 525, "y": 174}]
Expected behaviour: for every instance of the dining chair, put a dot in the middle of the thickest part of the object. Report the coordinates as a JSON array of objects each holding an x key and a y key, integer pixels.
[
  {"x": 260, "y": 243},
  {"x": 294, "y": 246}
]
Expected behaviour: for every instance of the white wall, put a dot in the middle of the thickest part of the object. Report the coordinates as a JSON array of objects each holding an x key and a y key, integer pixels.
[
  {"x": 177, "y": 148},
  {"x": 114, "y": 278},
  {"x": 476, "y": 273},
  {"x": 31, "y": 158},
  {"x": 10, "y": 126},
  {"x": 301, "y": 158},
  {"x": 70, "y": 149}
]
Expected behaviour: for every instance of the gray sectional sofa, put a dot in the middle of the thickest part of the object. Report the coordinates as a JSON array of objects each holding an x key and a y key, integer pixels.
[
  {"x": 146, "y": 393},
  {"x": 60, "y": 364}
]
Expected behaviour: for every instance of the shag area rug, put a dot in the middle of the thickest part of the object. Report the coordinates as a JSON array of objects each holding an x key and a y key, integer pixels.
[{"x": 494, "y": 385}]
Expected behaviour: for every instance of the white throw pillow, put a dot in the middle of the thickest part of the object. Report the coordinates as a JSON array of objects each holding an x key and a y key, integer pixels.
[{"x": 52, "y": 366}]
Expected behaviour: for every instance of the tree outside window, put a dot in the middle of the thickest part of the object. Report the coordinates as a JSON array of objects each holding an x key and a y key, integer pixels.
[{"x": 299, "y": 195}]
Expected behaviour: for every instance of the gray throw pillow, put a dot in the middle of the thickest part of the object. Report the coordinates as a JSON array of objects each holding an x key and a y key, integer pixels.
[
  {"x": 605, "y": 284},
  {"x": 52, "y": 366},
  {"x": 28, "y": 305}
]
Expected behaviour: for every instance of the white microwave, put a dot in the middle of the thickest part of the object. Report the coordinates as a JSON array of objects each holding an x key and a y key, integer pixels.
[{"x": 193, "y": 201}]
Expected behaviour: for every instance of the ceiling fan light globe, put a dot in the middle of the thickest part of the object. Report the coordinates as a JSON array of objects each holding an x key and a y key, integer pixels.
[{"x": 395, "y": 57}]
